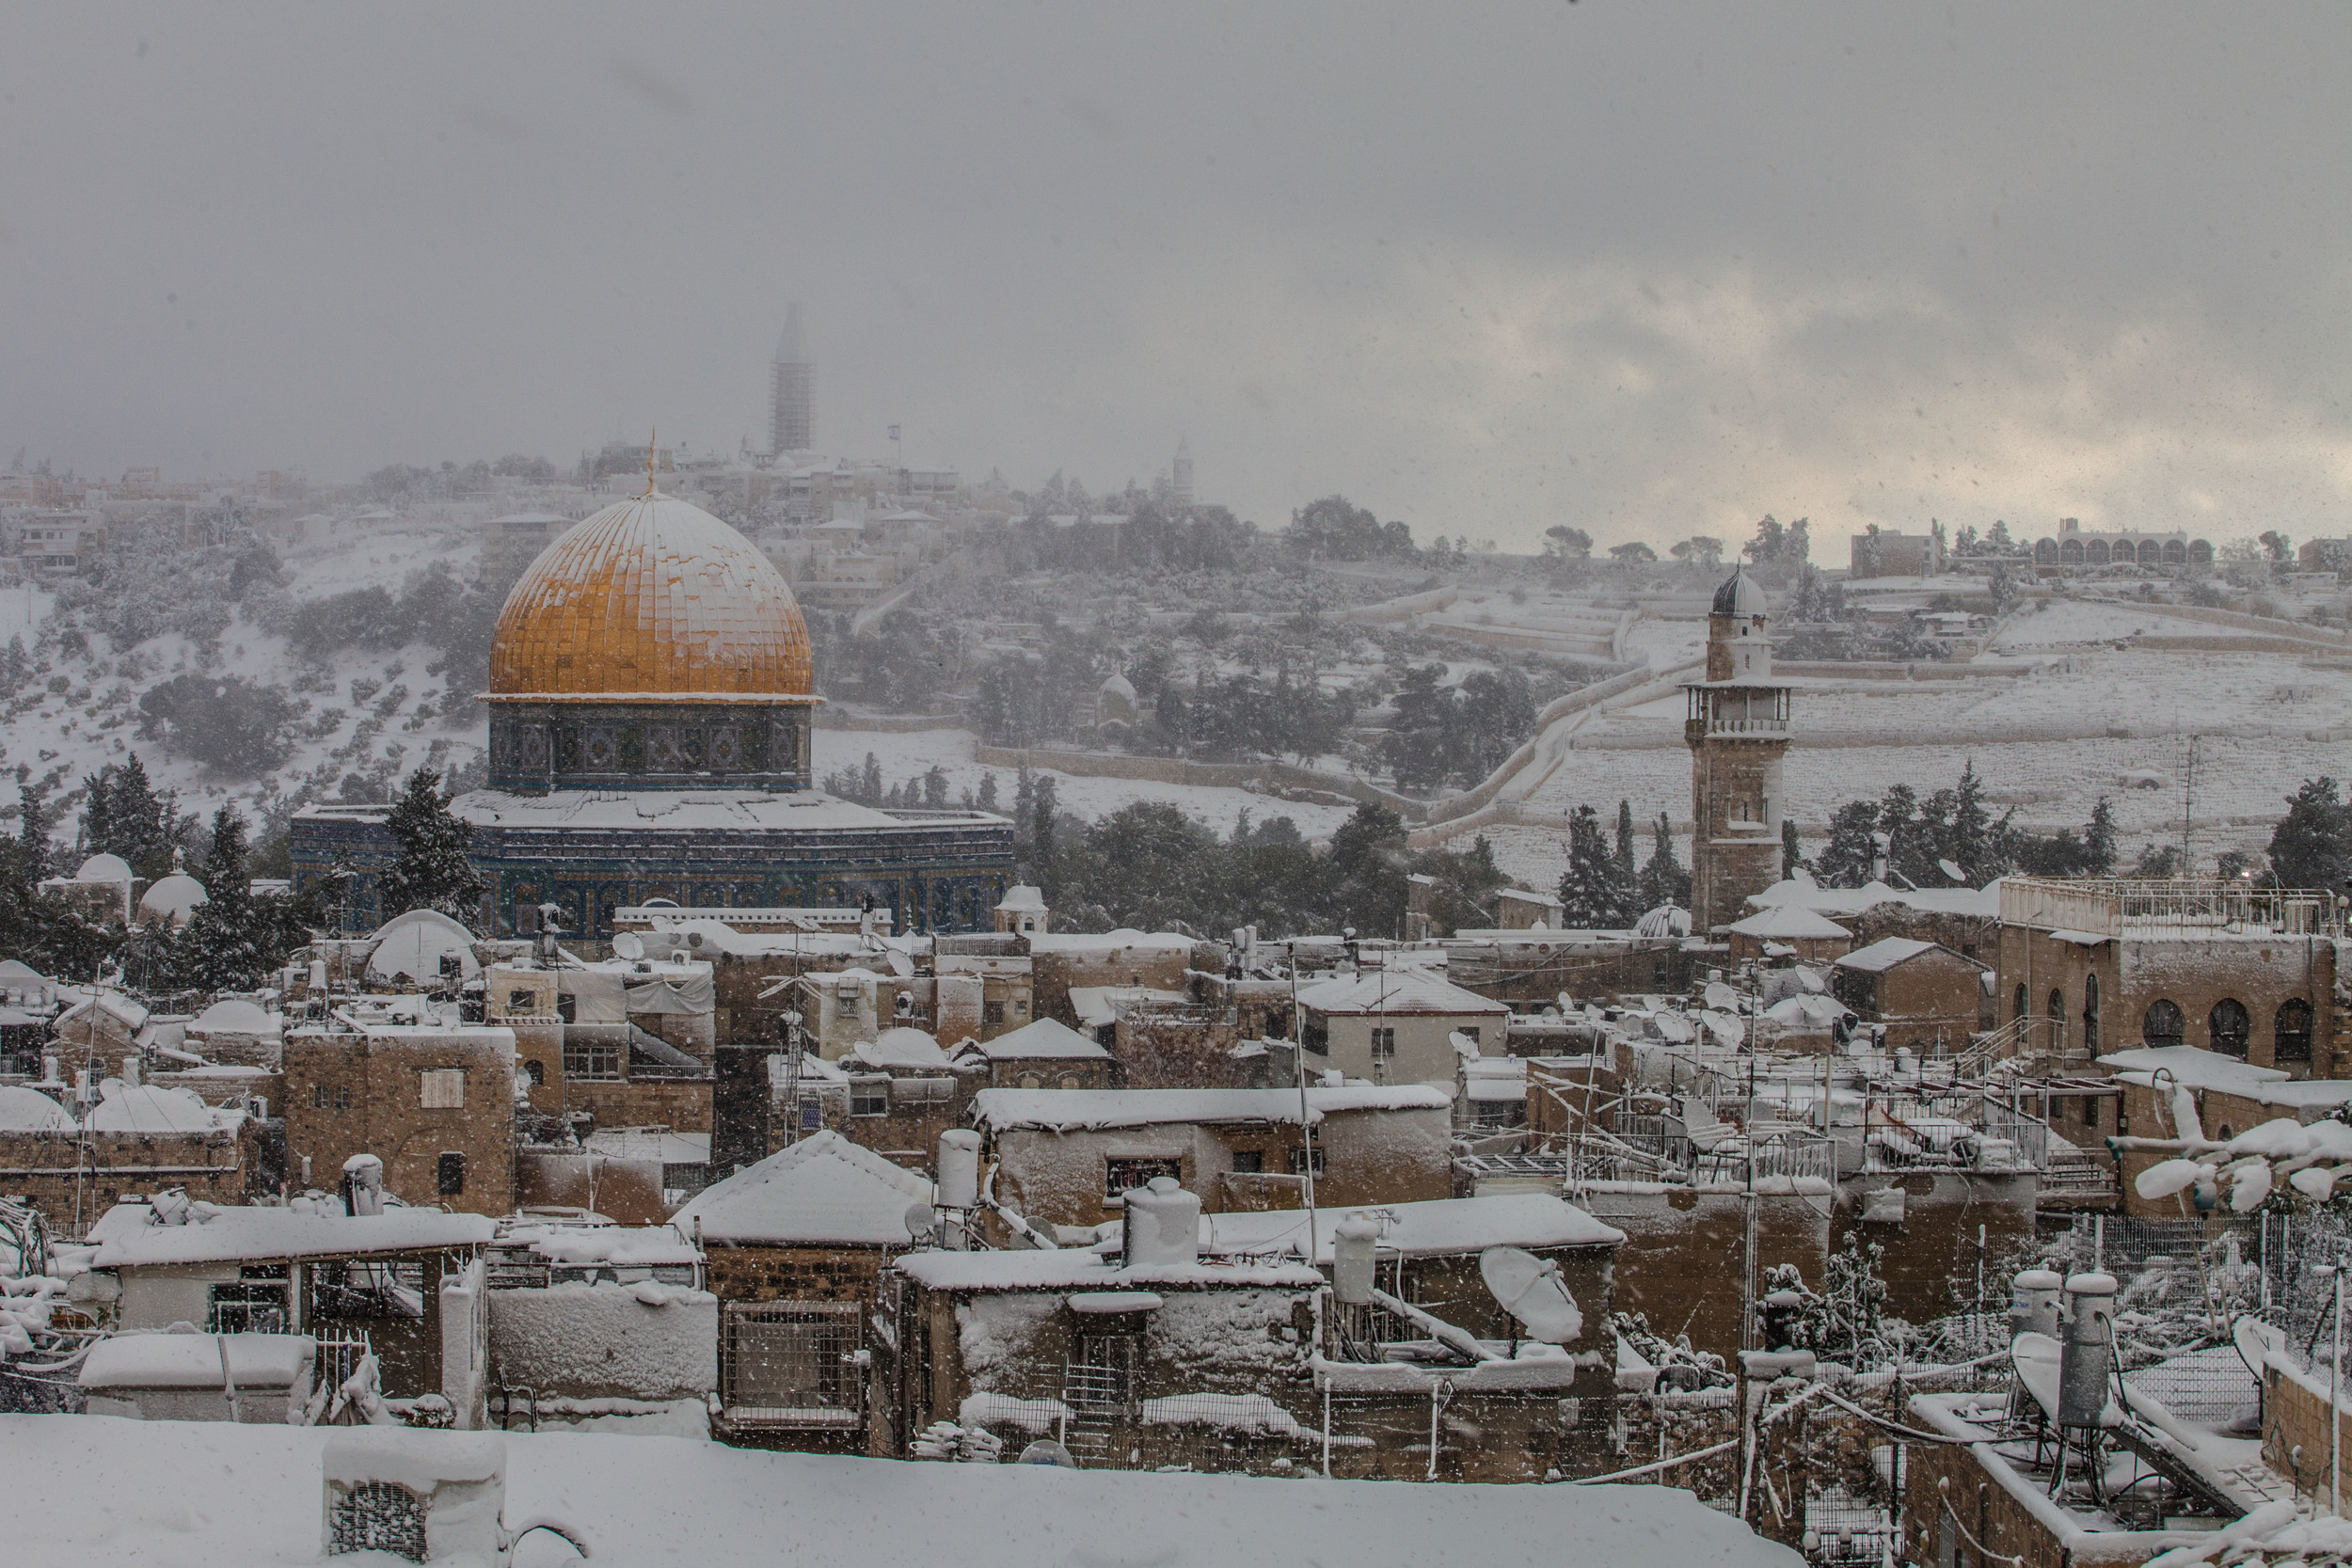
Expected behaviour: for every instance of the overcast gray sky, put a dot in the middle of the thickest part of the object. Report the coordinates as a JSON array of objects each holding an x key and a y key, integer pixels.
[{"x": 1652, "y": 269}]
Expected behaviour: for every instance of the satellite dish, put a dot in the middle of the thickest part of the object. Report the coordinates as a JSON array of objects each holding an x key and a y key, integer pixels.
[
  {"x": 1043, "y": 1452},
  {"x": 1952, "y": 871},
  {"x": 1530, "y": 1289},
  {"x": 919, "y": 1221},
  {"x": 628, "y": 945}
]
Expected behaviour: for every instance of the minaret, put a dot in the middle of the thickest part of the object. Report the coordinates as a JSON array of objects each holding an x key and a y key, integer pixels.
[
  {"x": 1179, "y": 476},
  {"x": 791, "y": 404},
  {"x": 1736, "y": 726}
]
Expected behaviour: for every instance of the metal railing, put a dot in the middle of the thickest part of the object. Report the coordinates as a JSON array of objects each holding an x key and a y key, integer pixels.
[{"x": 2173, "y": 906}]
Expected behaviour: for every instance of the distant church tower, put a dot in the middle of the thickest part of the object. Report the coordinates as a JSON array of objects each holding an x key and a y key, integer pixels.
[
  {"x": 1179, "y": 476},
  {"x": 1736, "y": 726},
  {"x": 791, "y": 403}
]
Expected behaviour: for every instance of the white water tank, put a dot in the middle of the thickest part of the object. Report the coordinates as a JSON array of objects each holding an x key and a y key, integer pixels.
[
  {"x": 1354, "y": 1246},
  {"x": 2033, "y": 1302},
  {"x": 1162, "y": 1224},
  {"x": 2087, "y": 1350},
  {"x": 959, "y": 1168}
]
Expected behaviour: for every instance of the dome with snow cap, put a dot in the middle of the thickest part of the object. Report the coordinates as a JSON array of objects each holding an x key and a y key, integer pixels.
[
  {"x": 173, "y": 899},
  {"x": 654, "y": 597},
  {"x": 1740, "y": 594},
  {"x": 232, "y": 1015},
  {"x": 103, "y": 869},
  {"x": 24, "y": 1110}
]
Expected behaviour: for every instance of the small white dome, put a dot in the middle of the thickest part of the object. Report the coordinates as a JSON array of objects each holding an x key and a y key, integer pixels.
[
  {"x": 1118, "y": 686},
  {"x": 24, "y": 1110},
  {"x": 233, "y": 1016},
  {"x": 174, "y": 899},
  {"x": 902, "y": 1046},
  {"x": 103, "y": 869},
  {"x": 145, "y": 1108}
]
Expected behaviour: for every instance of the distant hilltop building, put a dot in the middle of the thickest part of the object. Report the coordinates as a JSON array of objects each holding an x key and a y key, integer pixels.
[
  {"x": 2077, "y": 546},
  {"x": 1884, "y": 553},
  {"x": 791, "y": 394},
  {"x": 651, "y": 693},
  {"x": 1179, "y": 476}
]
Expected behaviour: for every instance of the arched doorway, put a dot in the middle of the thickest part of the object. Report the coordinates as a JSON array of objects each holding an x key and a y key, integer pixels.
[
  {"x": 2090, "y": 1014},
  {"x": 2057, "y": 1019}
]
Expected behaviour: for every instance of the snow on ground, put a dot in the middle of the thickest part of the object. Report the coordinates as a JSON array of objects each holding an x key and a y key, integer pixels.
[
  {"x": 904, "y": 755},
  {"x": 98, "y": 1491},
  {"x": 2061, "y": 623}
]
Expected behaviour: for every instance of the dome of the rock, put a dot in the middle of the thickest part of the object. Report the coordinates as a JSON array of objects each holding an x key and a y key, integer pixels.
[{"x": 654, "y": 597}]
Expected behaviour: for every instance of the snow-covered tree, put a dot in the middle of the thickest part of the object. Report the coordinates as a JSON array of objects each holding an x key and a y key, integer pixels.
[
  {"x": 429, "y": 868},
  {"x": 1589, "y": 887}
]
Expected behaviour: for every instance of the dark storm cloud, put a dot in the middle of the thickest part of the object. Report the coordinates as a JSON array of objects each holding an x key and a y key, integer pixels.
[{"x": 1655, "y": 270}]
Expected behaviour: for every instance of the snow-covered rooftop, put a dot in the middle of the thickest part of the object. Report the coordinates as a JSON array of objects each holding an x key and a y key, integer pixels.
[
  {"x": 2192, "y": 1066},
  {"x": 249, "y": 1494},
  {"x": 823, "y": 1189},
  {"x": 1074, "y": 1269},
  {"x": 1044, "y": 1038},
  {"x": 1790, "y": 923},
  {"x": 1063, "y": 1109},
  {"x": 1883, "y": 955},
  {"x": 1418, "y": 1229},
  {"x": 130, "y": 1236},
  {"x": 1395, "y": 991}
]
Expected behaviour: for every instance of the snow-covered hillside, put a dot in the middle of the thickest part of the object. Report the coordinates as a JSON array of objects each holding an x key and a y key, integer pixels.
[{"x": 365, "y": 712}]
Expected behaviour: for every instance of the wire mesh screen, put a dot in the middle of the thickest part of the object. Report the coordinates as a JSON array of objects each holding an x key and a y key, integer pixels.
[
  {"x": 793, "y": 1364},
  {"x": 377, "y": 1517}
]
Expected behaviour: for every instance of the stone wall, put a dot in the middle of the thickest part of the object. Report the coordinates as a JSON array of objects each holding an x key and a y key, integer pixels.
[{"x": 72, "y": 1185}]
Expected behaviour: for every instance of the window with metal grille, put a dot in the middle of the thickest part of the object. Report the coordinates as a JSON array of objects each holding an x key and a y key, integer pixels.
[
  {"x": 593, "y": 1059},
  {"x": 441, "y": 1089},
  {"x": 450, "y": 1175},
  {"x": 1120, "y": 1175},
  {"x": 1248, "y": 1161},
  {"x": 991, "y": 1012},
  {"x": 248, "y": 1307},
  {"x": 1107, "y": 1373},
  {"x": 1298, "y": 1160},
  {"x": 378, "y": 1516},
  {"x": 318, "y": 1097},
  {"x": 792, "y": 1364},
  {"x": 522, "y": 1003},
  {"x": 1383, "y": 1043},
  {"x": 342, "y": 1097},
  {"x": 870, "y": 1097}
]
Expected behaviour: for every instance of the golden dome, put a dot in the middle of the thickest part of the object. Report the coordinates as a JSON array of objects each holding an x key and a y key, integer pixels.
[{"x": 651, "y": 598}]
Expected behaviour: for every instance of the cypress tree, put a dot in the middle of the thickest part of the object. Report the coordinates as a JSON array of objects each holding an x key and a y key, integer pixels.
[{"x": 1588, "y": 889}]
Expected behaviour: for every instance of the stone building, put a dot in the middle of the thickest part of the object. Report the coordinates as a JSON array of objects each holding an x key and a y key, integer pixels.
[
  {"x": 793, "y": 1247},
  {"x": 1885, "y": 553},
  {"x": 433, "y": 1100},
  {"x": 134, "y": 1139},
  {"x": 1736, "y": 726},
  {"x": 1789, "y": 931},
  {"x": 1928, "y": 998},
  {"x": 1394, "y": 1025},
  {"x": 616, "y": 1043},
  {"x": 309, "y": 1268},
  {"x": 1134, "y": 1364},
  {"x": 2075, "y": 546},
  {"x": 1066, "y": 1156},
  {"x": 650, "y": 699},
  {"x": 2091, "y": 965}
]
